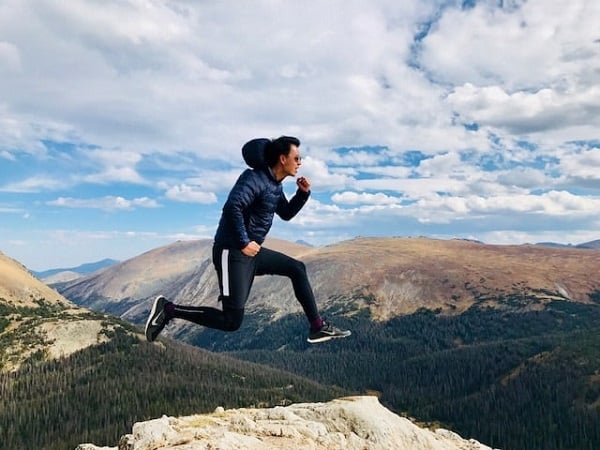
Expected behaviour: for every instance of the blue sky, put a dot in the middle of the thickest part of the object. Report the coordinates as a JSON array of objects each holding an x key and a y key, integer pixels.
[{"x": 121, "y": 122}]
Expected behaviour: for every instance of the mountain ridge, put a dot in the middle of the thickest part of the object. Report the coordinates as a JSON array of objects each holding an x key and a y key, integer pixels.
[
  {"x": 442, "y": 329},
  {"x": 495, "y": 321},
  {"x": 595, "y": 244},
  {"x": 62, "y": 275},
  {"x": 388, "y": 276},
  {"x": 68, "y": 374}
]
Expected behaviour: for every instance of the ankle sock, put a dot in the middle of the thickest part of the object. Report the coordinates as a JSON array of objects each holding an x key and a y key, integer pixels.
[
  {"x": 170, "y": 309},
  {"x": 316, "y": 324}
]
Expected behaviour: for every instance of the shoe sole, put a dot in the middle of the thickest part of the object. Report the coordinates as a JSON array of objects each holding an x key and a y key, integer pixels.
[
  {"x": 328, "y": 338},
  {"x": 151, "y": 315}
]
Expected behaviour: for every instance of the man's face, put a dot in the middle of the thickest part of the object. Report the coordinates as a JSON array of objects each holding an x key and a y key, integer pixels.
[{"x": 292, "y": 162}]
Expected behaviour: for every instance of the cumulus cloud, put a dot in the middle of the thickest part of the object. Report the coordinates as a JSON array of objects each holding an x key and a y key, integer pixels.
[
  {"x": 36, "y": 184},
  {"x": 582, "y": 167},
  {"x": 187, "y": 76},
  {"x": 525, "y": 112},
  {"x": 520, "y": 45},
  {"x": 524, "y": 177},
  {"x": 526, "y": 67},
  {"x": 112, "y": 166},
  {"x": 109, "y": 203},
  {"x": 321, "y": 176},
  {"x": 190, "y": 194},
  {"x": 446, "y": 209},
  {"x": 353, "y": 198},
  {"x": 10, "y": 209},
  {"x": 415, "y": 117}
]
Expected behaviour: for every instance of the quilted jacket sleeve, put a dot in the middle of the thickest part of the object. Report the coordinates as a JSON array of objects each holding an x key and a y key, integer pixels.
[{"x": 288, "y": 209}]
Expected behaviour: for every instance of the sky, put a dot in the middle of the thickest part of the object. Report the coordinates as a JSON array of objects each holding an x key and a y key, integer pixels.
[{"x": 122, "y": 121}]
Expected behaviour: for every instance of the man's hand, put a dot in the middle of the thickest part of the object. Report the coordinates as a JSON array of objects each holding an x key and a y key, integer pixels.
[
  {"x": 303, "y": 184},
  {"x": 251, "y": 249}
]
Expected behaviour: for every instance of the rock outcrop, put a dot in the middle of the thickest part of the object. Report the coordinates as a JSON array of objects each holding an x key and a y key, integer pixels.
[{"x": 351, "y": 423}]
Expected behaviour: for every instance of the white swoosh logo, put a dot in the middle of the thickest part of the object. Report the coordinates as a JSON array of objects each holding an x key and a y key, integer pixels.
[{"x": 154, "y": 322}]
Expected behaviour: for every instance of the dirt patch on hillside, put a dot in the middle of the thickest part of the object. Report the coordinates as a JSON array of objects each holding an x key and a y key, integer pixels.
[{"x": 68, "y": 337}]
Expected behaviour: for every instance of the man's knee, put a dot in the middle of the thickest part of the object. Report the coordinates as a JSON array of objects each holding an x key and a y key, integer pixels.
[
  {"x": 233, "y": 319},
  {"x": 298, "y": 268}
]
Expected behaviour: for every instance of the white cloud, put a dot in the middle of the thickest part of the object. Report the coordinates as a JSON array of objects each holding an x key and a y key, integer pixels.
[
  {"x": 355, "y": 157},
  {"x": 190, "y": 194},
  {"x": 10, "y": 210},
  {"x": 508, "y": 237},
  {"x": 114, "y": 174},
  {"x": 524, "y": 177},
  {"x": 21, "y": 134},
  {"x": 502, "y": 99},
  {"x": 439, "y": 165},
  {"x": 112, "y": 166},
  {"x": 583, "y": 166},
  {"x": 445, "y": 209},
  {"x": 10, "y": 60},
  {"x": 6, "y": 155},
  {"x": 197, "y": 77},
  {"x": 214, "y": 180},
  {"x": 190, "y": 76},
  {"x": 317, "y": 214},
  {"x": 35, "y": 184},
  {"x": 522, "y": 46},
  {"x": 527, "y": 112},
  {"x": 353, "y": 198},
  {"x": 108, "y": 203},
  {"x": 530, "y": 67},
  {"x": 321, "y": 177},
  {"x": 387, "y": 171}
]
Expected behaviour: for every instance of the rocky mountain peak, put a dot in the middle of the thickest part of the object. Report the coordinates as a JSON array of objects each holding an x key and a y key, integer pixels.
[{"x": 350, "y": 423}]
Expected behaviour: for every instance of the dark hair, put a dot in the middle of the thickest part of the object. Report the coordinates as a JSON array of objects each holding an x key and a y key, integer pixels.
[{"x": 280, "y": 146}]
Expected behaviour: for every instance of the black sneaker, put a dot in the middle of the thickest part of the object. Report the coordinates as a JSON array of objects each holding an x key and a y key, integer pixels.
[
  {"x": 326, "y": 333},
  {"x": 157, "y": 318}
]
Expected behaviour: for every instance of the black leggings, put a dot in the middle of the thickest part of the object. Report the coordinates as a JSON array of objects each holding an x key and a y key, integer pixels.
[{"x": 236, "y": 273}]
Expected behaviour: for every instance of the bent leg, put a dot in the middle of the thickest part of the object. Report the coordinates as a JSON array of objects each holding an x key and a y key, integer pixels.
[
  {"x": 235, "y": 272},
  {"x": 226, "y": 320},
  {"x": 271, "y": 262}
]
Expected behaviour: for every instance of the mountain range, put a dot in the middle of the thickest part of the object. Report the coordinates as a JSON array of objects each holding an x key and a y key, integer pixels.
[
  {"x": 389, "y": 277},
  {"x": 71, "y": 273},
  {"x": 589, "y": 245},
  {"x": 69, "y": 374},
  {"x": 493, "y": 341}
]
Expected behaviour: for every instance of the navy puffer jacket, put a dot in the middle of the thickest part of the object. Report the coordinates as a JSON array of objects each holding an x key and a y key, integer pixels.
[{"x": 249, "y": 209}]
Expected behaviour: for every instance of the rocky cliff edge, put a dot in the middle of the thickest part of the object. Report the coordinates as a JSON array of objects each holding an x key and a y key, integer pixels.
[{"x": 350, "y": 423}]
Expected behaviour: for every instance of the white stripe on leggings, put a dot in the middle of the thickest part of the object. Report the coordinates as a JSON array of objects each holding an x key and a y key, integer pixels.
[{"x": 225, "y": 271}]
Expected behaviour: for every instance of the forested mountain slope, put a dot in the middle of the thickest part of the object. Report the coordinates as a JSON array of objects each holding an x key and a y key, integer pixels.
[
  {"x": 69, "y": 375},
  {"x": 499, "y": 342}
]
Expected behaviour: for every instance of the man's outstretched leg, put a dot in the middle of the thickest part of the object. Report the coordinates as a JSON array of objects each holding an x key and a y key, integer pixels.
[{"x": 276, "y": 263}]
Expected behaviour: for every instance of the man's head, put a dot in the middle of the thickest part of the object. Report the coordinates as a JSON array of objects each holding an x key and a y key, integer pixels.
[{"x": 283, "y": 153}]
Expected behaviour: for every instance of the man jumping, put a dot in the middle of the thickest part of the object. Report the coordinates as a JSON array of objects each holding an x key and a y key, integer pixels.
[{"x": 238, "y": 255}]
